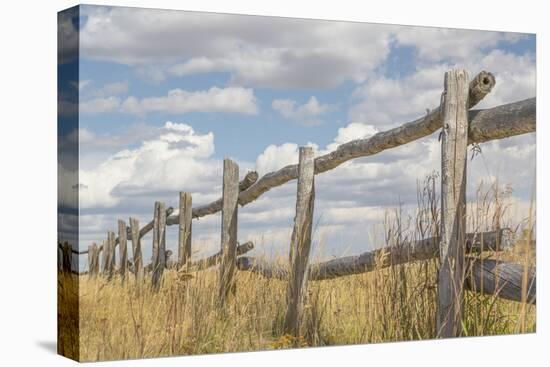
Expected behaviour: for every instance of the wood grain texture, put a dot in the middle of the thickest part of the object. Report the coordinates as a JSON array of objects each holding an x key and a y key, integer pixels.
[
  {"x": 300, "y": 243},
  {"x": 185, "y": 225},
  {"x": 406, "y": 252},
  {"x": 137, "y": 259},
  {"x": 111, "y": 260},
  {"x": 454, "y": 150},
  {"x": 491, "y": 277},
  {"x": 105, "y": 258},
  {"x": 228, "y": 229},
  {"x": 504, "y": 279},
  {"x": 94, "y": 264},
  {"x": 123, "y": 249},
  {"x": 159, "y": 244}
]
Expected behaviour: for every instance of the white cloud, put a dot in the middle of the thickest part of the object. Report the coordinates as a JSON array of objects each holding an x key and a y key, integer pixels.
[
  {"x": 99, "y": 105},
  {"x": 386, "y": 102},
  {"x": 257, "y": 51},
  {"x": 459, "y": 45},
  {"x": 230, "y": 100},
  {"x": 353, "y": 131},
  {"x": 178, "y": 158},
  {"x": 112, "y": 89},
  {"x": 306, "y": 114},
  {"x": 275, "y": 157}
]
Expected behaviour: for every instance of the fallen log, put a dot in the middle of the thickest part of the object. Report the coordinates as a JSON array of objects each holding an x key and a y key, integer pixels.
[
  {"x": 503, "y": 279},
  {"x": 394, "y": 255},
  {"x": 504, "y": 282}
]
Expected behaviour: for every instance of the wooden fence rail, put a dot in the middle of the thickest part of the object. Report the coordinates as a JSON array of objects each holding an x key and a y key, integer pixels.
[
  {"x": 460, "y": 266},
  {"x": 499, "y": 277}
]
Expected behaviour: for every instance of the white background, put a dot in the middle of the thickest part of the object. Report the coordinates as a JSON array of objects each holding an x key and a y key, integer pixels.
[{"x": 28, "y": 182}]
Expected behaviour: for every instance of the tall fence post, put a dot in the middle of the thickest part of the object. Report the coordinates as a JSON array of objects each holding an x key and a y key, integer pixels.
[
  {"x": 300, "y": 244},
  {"x": 453, "y": 204},
  {"x": 123, "y": 248},
  {"x": 94, "y": 259},
  {"x": 111, "y": 255},
  {"x": 136, "y": 248},
  {"x": 230, "y": 198},
  {"x": 159, "y": 244},
  {"x": 90, "y": 259},
  {"x": 105, "y": 257},
  {"x": 184, "y": 234},
  {"x": 67, "y": 257}
]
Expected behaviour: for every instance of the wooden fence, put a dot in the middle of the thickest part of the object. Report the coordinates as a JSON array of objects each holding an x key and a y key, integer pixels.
[{"x": 459, "y": 267}]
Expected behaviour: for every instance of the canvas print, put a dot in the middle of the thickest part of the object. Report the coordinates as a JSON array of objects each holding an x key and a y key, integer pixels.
[{"x": 232, "y": 183}]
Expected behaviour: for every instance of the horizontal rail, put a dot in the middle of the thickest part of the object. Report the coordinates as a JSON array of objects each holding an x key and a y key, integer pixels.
[
  {"x": 415, "y": 251},
  {"x": 406, "y": 252},
  {"x": 215, "y": 259},
  {"x": 490, "y": 124},
  {"x": 485, "y": 125}
]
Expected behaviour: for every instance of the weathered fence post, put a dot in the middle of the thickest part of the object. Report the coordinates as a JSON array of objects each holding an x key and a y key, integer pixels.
[
  {"x": 136, "y": 248},
  {"x": 67, "y": 257},
  {"x": 230, "y": 198},
  {"x": 184, "y": 235},
  {"x": 159, "y": 244},
  {"x": 111, "y": 256},
  {"x": 453, "y": 203},
  {"x": 94, "y": 259},
  {"x": 105, "y": 258},
  {"x": 300, "y": 242},
  {"x": 123, "y": 248}
]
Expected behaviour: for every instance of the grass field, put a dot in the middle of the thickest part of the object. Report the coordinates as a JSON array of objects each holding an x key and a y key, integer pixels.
[
  {"x": 399, "y": 303},
  {"x": 102, "y": 320}
]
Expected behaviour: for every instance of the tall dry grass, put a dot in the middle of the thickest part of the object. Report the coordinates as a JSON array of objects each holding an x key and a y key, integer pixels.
[{"x": 128, "y": 320}]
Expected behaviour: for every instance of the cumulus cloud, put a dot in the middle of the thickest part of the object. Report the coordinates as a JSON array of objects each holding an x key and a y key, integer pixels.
[
  {"x": 177, "y": 158},
  {"x": 256, "y": 51},
  {"x": 230, "y": 100},
  {"x": 307, "y": 114},
  {"x": 443, "y": 44},
  {"x": 386, "y": 102},
  {"x": 275, "y": 157}
]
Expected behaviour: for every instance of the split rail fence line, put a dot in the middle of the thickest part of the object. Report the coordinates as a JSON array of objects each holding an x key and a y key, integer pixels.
[{"x": 459, "y": 270}]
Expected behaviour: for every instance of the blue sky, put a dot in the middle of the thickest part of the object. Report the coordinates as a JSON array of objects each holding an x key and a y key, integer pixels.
[{"x": 166, "y": 95}]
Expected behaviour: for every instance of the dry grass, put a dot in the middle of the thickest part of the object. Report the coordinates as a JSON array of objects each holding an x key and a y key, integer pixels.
[{"x": 398, "y": 303}]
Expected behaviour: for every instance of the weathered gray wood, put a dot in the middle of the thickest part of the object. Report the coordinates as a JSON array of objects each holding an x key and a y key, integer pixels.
[
  {"x": 136, "y": 248},
  {"x": 123, "y": 248},
  {"x": 481, "y": 85},
  {"x": 504, "y": 121},
  {"x": 105, "y": 258},
  {"x": 300, "y": 243},
  {"x": 215, "y": 259},
  {"x": 111, "y": 260},
  {"x": 214, "y": 207},
  {"x": 91, "y": 265},
  {"x": 159, "y": 244},
  {"x": 229, "y": 228},
  {"x": 90, "y": 259},
  {"x": 94, "y": 264},
  {"x": 501, "y": 278},
  {"x": 406, "y": 252},
  {"x": 485, "y": 125},
  {"x": 491, "y": 277},
  {"x": 454, "y": 150},
  {"x": 184, "y": 234}
]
